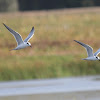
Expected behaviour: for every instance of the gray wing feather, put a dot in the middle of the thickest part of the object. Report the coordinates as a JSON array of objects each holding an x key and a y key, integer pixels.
[
  {"x": 17, "y": 36},
  {"x": 87, "y": 47},
  {"x": 97, "y": 52},
  {"x": 30, "y": 35}
]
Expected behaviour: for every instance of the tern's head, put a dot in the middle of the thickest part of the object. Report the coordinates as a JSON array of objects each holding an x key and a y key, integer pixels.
[
  {"x": 29, "y": 44},
  {"x": 98, "y": 58}
]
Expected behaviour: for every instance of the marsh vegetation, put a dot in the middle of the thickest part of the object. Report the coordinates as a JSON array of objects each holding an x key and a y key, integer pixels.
[{"x": 54, "y": 53}]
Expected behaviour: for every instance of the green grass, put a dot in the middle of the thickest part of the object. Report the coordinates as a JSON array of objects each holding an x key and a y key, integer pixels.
[
  {"x": 54, "y": 53},
  {"x": 32, "y": 67}
]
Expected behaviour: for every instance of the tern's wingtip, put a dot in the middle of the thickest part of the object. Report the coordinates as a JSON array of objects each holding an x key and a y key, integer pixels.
[
  {"x": 74, "y": 40},
  {"x": 3, "y": 23}
]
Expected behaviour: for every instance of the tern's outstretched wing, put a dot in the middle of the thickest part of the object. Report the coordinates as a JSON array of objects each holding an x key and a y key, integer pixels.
[
  {"x": 87, "y": 47},
  {"x": 17, "y": 36},
  {"x": 30, "y": 35},
  {"x": 97, "y": 52}
]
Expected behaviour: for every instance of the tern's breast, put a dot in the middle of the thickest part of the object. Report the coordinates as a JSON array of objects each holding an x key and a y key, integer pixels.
[
  {"x": 21, "y": 46},
  {"x": 91, "y": 58}
]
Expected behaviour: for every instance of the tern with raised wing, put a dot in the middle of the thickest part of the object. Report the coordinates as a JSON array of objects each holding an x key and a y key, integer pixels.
[
  {"x": 20, "y": 43},
  {"x": 89, "y": 50}
]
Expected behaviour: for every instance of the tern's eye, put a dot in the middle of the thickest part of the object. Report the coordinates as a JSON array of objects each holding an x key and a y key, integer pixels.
[
  {"x": 27, "y": 43},
  {"x": 97, "y": 57}
]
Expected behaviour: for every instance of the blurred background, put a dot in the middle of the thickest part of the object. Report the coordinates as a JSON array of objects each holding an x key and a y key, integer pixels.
[
  {"x": 54, "y": 53},
  {"x": 27, "y": 5}
]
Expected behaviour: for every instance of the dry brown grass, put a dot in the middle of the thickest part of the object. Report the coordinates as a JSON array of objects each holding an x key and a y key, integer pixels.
[
  {"x": 54, "y": 53},
  {"x": 54, "y": 30}
]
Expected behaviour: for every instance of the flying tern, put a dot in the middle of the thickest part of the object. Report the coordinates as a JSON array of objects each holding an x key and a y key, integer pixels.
[
  {"x": 89, "y": 50},
  {"x": 20, "y": 43}
]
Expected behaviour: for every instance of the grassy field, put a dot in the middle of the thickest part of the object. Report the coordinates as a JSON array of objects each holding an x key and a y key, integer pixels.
[{"x": 53, "y": 52}]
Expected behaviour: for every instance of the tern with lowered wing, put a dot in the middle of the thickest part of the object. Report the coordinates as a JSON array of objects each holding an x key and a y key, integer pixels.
[
  {"x": 20, "y": 43},
  {"x": 89, "y": 50}
]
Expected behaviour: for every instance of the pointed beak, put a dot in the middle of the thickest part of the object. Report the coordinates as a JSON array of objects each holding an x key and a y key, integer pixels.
[{"x": 30, "y": 46}]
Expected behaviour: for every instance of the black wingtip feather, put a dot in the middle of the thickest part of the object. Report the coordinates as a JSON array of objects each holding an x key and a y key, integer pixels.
[
  {"x": 3, "y": 24},
  {"x": 75, "y": 40}
]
